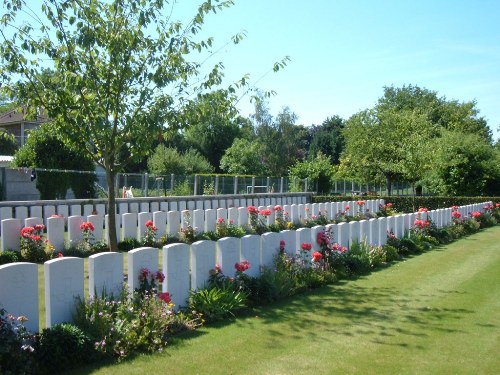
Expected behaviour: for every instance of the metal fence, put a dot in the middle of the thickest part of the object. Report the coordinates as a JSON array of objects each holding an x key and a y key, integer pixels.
[{"x": 41, "y": 183}]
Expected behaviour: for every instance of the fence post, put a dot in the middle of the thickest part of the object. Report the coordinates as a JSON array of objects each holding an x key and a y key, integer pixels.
[
  {"x": 172, "y": 181},
  {"x": 235, "y": 190},
  {"x": 267, "y": 184},
  {"x": 216, "y": 184},
  {"x": 195, "y": 185},
  {"x": 281, "y": 184},
  {"x": 253, "y": 184},
  {"x": 146, "y": 181},
  {"x": 306, "y": 184}
]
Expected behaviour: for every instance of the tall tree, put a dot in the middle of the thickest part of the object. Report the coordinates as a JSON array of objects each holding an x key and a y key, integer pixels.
[
  {"x": 328, "y": 139},
  {"x": 121, "y": 71},
  {"x": 389, "y": 143},
  {"x": 464, "y": 164},
  {"x": 45, "y": 149},
  {"x": 213, "y": 125}
]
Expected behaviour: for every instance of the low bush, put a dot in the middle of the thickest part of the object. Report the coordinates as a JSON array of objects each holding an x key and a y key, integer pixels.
[
  {"x": 62, "y": 347},
  {"x": 10, "y": 256}
]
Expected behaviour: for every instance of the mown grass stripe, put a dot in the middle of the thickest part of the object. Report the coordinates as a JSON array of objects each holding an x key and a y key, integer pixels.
[{"x": 432, "y": 314}]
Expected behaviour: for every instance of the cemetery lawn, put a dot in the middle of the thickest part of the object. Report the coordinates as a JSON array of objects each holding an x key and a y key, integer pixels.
[{"x": 437, "y": 313}]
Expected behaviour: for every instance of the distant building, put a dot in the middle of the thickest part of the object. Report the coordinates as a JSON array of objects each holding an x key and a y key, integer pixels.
[{"x": 15, "y": 122}]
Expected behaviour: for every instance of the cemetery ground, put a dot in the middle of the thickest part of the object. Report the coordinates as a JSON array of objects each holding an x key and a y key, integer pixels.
[{"x": 436, "y": 313}]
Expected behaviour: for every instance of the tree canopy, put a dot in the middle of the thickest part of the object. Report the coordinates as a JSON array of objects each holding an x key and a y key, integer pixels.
[
  {"x": 397, "y": 138},
  {"x": 122, "y": 69}
]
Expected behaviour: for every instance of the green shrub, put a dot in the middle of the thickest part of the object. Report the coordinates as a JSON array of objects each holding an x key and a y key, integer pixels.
[
  {"x": 64, "y": 346},
  {"x": 471, "y": 226},
  {"x": 17, "y": 346},
  {"x": 132, "y": 323},
  {"x": 357, "y": 259},
  {"x": 128, "y": 244},
  {"x": 391, "y": 253},
  {"x": 10, "y": 256},
  {"x": 217, "y": 303}
]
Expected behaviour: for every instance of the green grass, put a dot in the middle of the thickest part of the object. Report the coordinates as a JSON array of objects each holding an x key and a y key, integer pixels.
[{"x": 437, "y": 313}]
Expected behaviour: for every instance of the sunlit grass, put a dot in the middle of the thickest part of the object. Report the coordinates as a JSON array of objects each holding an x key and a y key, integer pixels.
[{"x": 433, "y": 314}]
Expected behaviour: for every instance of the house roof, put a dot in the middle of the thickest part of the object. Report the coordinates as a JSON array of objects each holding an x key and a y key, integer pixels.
[{"x": 18, "y": 116}]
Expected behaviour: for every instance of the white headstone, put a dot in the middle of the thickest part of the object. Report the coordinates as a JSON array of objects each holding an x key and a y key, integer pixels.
[
  {"x": 303, "y": 235},
  {"x": 143, "y": 257},
  {"x": 343, "y": 231},
  {"x": 36, "y": 211},
  {"x": 154, "y": 206},
  {"x": 105, "y": 274},
  {"x": 76, "y": 210},
  {"x": 63, "y": 286},
  {"x": 199, "y": 220},
  {"x": 98, "y": 222},
  {"x": 176, "y": 268},
  {"x": 87, "y": 209},
  {"x": 19, "y": 291},
  {"x": 250, "y": 251},
  {"x": 48, "y": 211},
  {"x": 202, "y": 261},
  {"x": 144, "y": 207},
  {"x": 242, "y": 216},
  {"x": 228, "y": 254},
  {"x": 21, "y": 212},
  {"x": 210, "y": 220},
  {"x": 374, "y": 232},
  {"x": 382, "y": 230},
  {"x": 314, "y": 236},
  {"x": 129, "y": 226},
  {"x": 269, "y": 248},
  {"x": 222, "y": 214},
  {"x": 63, "y": 210},
  {"x": 55, "y": 232},
  {"x": 364, "y": 231},
  {"x": 353, "y": 232},
  {"x": 160, "y": 221},
  {"x": 173, "y": 223},
  {"x": 290, "y": 238},
  {"x": 232, "y": 215},
  {"x": 143, "y": 217},
  {"x": 75, "y": 234}
]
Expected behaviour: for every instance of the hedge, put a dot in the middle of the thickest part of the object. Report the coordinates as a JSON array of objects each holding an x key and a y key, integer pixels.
[{"x": 410, "y": 203}]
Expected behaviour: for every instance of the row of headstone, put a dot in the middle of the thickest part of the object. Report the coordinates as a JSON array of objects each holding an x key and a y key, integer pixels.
[
  {"x": 185, "y": 266},
  {"x": 132, "y": 225},
  {"x": 123, "y": 207}
]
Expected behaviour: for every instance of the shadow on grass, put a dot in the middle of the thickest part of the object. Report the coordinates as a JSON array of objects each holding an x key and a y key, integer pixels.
[{"x": 351, "y": 310}]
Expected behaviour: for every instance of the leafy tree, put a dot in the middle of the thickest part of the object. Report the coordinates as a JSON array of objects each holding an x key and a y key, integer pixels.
[
  {"x": 328, "y": 139},
  {"x": 8, "y": 144},
  {"x": 447, "y": 114},
  {"x": 282, "y": 141},
  {"x": 319, "y": 170},
  {"x": 463, "y": 164},
  {"x": 121, "y": 72},
  {"x": 389, "y": 143},
  {"x": 167, "y": 160},
  {"x": 244, "y": 157},
  {"x": 45, "y": 149},
  {"x": 212, "y": 125}
]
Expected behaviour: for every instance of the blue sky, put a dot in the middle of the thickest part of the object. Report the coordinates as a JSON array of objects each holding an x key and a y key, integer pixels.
[{"x": 343, "y": 52}]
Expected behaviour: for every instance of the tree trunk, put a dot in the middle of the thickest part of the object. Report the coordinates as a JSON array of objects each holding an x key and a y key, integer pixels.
[
  {"x": 388, "y": 181},
  {"x": 113, "y": 241}
]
